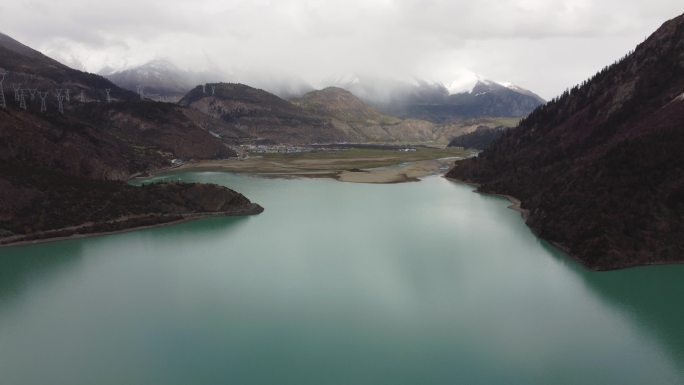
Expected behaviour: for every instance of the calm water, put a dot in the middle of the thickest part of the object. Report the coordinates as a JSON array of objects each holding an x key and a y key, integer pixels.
[{"x": 340, "y": 284}]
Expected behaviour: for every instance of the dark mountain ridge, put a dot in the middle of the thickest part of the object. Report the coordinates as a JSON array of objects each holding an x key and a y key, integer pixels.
[{"x": 600, "y": 168}]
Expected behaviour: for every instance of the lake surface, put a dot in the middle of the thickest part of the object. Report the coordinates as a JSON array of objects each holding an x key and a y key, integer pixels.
[{"x": 335, "y": 284}]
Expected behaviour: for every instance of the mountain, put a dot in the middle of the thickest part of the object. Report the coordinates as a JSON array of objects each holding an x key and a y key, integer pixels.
[
  {"x": 40, "y": 204},
  {"x": 479, "y": 139},
  {"x": 360, "y": 122},
  {"x": 86, "y": 149},
  {"x": 342, "y": 104},
  {"x": 330, "y": 115},
  {"x": 159, "y": 79},
  {"x": 262, "y": 115},
  {"x": 488, "y": 98},
  {"x": 600, "y": 169},
  {"x": 91, "y": 138},
  {"x": 363, "y": 123},
  {"x": 439, "y": 103},
  {"x": 485, "y": 99},
  {"x": 29, "y": 69}
]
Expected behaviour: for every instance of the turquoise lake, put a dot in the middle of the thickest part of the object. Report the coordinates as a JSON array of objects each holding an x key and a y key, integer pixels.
[{"x": 335, "y": 284}]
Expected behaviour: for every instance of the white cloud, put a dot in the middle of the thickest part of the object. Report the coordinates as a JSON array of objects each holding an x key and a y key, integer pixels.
[{"x": 543, "y": 45}]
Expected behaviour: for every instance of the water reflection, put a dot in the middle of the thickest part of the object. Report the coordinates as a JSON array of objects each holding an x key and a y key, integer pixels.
[
  {"x": 644, "y": 294},
  {"x": 23, "y": 266},
  {"x": 27, "y": 265}
]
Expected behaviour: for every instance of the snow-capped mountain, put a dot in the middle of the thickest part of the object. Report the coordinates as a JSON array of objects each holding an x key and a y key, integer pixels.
[
  {"x": 467, "y": 81},
  {"x": 468, "y": 96}
]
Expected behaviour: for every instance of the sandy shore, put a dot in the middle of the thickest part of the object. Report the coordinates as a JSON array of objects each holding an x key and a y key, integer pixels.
[
  {"x": 343, "y": 170},
  {"x": 407, "y": 172}
]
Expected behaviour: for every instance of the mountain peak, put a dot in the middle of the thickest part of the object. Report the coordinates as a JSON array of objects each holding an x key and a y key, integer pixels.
[
  {"x": 473, "y": 83},
  {"x": 464, "y": 83},
  {"x": 160, "y": 65},
  {"x": 334, "y": 100}
]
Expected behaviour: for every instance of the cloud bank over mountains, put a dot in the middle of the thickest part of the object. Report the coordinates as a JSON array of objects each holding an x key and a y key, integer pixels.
[{"x": 541, "y": 45}]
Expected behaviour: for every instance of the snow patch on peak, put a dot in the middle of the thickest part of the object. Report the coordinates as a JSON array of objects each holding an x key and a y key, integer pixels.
[
  {"x": 468, "y": 81},
  {"x": 464, "y": 83},
  {"x": 514, "y": 87},
  {"x": 680, "y": 98}
]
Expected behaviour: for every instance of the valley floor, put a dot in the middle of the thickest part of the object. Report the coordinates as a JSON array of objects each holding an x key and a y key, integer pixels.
[{"x": 351, "y": 165}]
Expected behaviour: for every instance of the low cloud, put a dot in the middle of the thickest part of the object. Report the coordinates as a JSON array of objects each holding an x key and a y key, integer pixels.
[{"x": 543, "y": 45}]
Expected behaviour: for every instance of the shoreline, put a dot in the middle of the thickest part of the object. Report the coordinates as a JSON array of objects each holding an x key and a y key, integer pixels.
[
  {"x": 178, "y": 219},
  {"x": 516, "y": 206},
  {"x": 524, "y": 213}
]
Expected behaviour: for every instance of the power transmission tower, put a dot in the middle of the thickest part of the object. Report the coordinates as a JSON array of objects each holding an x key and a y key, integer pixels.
[
  {"x": 22, "y": 99},
  {"x": 3, "y": 103},
  {"x": 43, "y": 97},
  {"x": 16, "y": 87},
  {"x": 141, "y": 92},
  {"x": 83, "y": 97},
  {"x": 32, "y": 93},
  {"x": 68, "y": 95},
  {"x": 204, "y": 88},
  {"x": 109, "y": 98},
  {"x": 213, "y": 90},
  {"x": 60, "y": 101}
]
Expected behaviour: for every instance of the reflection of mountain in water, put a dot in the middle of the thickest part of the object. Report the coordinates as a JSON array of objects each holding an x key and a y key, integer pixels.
[
  {"x": 23, "y": 266},
  {"x": 639, "y": 294}
]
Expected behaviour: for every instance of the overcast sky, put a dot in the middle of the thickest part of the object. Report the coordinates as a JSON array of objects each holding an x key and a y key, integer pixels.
[{"x": 543, "y": 45}]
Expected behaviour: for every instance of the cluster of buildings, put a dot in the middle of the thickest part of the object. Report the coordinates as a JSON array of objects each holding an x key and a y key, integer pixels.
[{"x": 273, "y": 149}]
